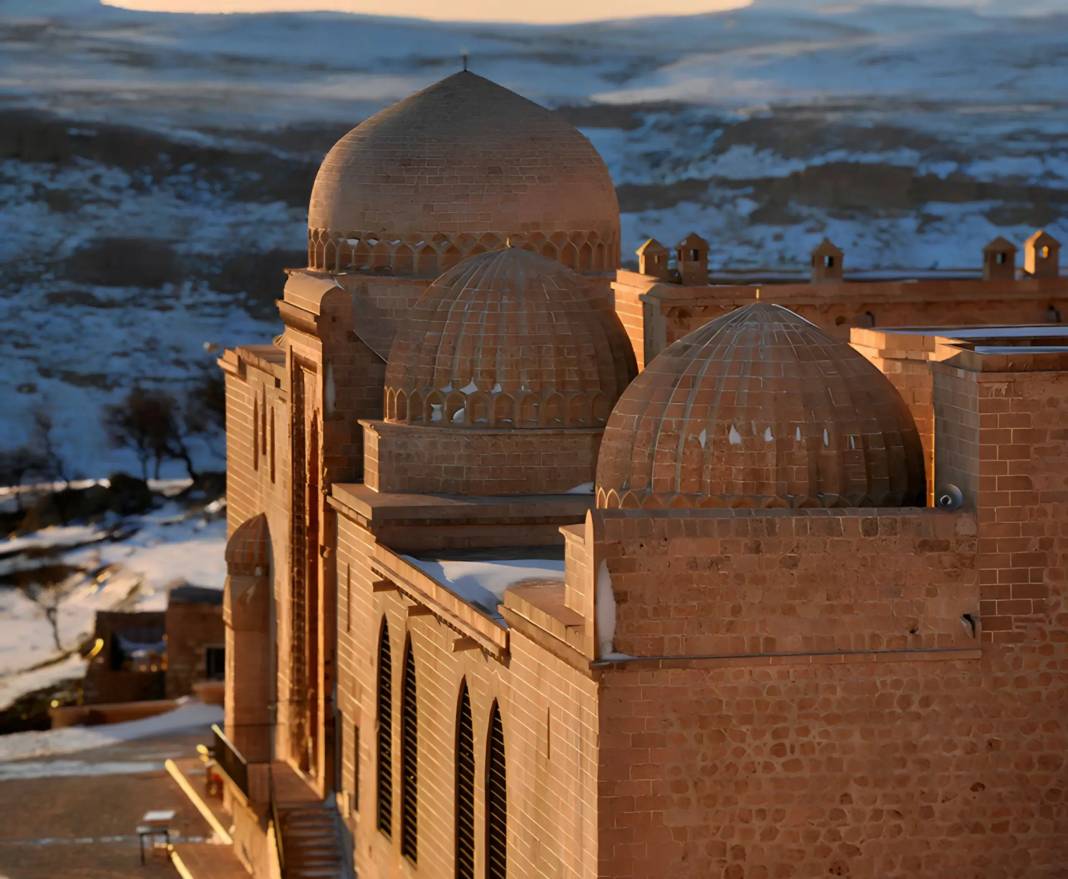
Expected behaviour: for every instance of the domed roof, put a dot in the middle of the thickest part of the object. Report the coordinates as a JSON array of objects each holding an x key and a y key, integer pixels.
[
  {"x": 458, "y": 168},
  {"x": 760, "y": 408},
  {"x": 508, "y": 339}
]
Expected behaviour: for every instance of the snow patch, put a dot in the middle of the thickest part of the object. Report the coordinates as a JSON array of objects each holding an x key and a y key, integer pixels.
[
  {"x": 734, "y": 437},
  {"x": 189, "y": 715},
  {"x": 581, "y": 488},
  {"x": 482, "y": 582}
]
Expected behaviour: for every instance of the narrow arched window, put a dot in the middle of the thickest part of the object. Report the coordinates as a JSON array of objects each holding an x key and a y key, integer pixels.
[
  {"x": 409, "y": 761},
  {"x": 496, "y": 801},
  {"x": 465, "y": 788},
  {"x": 384, "y": 778}
]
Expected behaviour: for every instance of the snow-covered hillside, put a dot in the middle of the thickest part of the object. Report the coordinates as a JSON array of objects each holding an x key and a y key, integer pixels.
[{"x": 154, "y": 169}]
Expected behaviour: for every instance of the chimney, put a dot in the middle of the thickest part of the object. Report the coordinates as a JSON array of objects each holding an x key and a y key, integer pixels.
[
  {"x": 1042, "y": 255},
  {"x": 653, "y": 259},
  {"x": 826, "y": 262},
  {"x": 692, "y": 260},
  {"x": 999, "y": 260}
]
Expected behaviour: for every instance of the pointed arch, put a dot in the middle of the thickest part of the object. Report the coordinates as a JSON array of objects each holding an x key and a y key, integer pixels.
[
  {"x": 409, "y": 760},
  {"x": 384, "y": 763},
  {"x": 465, "y": 787},
  {"x": 496, "y": 799}
]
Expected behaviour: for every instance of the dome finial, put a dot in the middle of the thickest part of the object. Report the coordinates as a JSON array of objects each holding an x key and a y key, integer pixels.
[{"x": 464, "y": 56}]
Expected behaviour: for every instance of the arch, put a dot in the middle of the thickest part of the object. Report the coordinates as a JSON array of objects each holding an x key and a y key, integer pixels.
[
  {"x": 455, "y": 408},
  {"x": 434, "y": 411},
  {"x": 450, "y": 257},
  {"x": 552, "y": 411},
  {"x": 426, "y": 260},
  {"x": 390, "y": 409},
  {"x": 548, "y": 250},
  {"x": 409, "y": 760},
  {"x": 401, "y": 406},
  {"x": 330, "y": 256},
  {"x": 384, "y": 763},
  {"x": 577, "y": 410},
  {"x": 600, "y": 261},
  {"x": 585, "y": 260},
  {"x": 478, "y": 408},
  {"x": 403, "y": 260},
  {"x": 503, "y": 409},
  {"x": 465, "y": 787},
  {"x": 496, "y": 799},
  {"x": 415, "y": 408},
  {"x": 602, "y": 408},
  {"x": 528, "y": 411},
  {"x": 569, "y": 256},
  {"x": 248, "y": 550}
]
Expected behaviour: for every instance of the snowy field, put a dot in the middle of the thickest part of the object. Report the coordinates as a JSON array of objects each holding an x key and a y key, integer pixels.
[
  {"x": 130, "y": 565},
  {"x": 910, "y": 135}
]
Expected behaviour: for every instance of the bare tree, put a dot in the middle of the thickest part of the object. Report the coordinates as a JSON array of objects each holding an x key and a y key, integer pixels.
[
  {"x": 146, "y": 422},
  {"x": 18, "y": 464}
]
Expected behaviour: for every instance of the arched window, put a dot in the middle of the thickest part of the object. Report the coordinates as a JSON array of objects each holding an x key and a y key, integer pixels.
[
  {"x": 496, "y": 801},
  {"x": 465, "y": 788},
  {"x": 385, "y": 734},
  {"x": 409, "y": 761}
]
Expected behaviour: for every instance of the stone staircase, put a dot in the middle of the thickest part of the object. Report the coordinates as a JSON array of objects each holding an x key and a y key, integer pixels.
[{"x": 311, "y": 842}]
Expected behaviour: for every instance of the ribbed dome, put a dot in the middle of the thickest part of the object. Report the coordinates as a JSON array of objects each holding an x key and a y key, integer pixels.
[
  {"x": 457, "y": 169},
  {"x": 508, "y": 339},
  {"x": 759, "y": 408}
]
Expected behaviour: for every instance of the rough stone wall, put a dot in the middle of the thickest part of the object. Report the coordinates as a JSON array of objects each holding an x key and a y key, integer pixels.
[
  {"x": 549, "y": 716},
  {"x": 191, "y": 629},
  {"x": 732, "y": 583},
  {"x": 840, "y": 307},
  {"x": 1018, "y": 457},
  {"x": 415, "y": 458},
  {"x": 926, "y": 763},
  {"x": 867, "y": 768}
]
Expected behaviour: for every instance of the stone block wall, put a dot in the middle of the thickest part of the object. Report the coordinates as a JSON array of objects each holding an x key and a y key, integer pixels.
[
  {"x": 446, "y": 460},
  {"x": 548, "y": 711},
  {"x": 191, "y": 629}
]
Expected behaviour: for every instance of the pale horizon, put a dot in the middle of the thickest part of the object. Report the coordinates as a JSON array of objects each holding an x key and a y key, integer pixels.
[{"x": 550, "y": 12}]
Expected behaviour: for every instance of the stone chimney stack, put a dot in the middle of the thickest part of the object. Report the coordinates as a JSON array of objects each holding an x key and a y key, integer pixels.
[
  {"x": 1042, "y": 255},
  {"x": 999, "y": 260},
  {"x": 692, "y": 258},
  {"x": 826, "y": 262},
  {"x": 653, "y": 259}
]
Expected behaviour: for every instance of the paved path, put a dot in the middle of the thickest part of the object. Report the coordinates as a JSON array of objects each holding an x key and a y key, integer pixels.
[{"x": 75, "y": 816}]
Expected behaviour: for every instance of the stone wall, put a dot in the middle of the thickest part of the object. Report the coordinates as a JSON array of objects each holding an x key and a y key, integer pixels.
[
  {"x": 549, "y": 716},
  {"x": 466, "y": 461}
]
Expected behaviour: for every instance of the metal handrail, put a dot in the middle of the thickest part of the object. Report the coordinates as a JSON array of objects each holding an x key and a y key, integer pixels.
[
  {"x": 276, "y": 820},
  {"x": 230, "y": 760}
]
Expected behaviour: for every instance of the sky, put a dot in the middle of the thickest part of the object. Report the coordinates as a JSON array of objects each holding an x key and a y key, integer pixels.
[{"x": 531, "y": 11}]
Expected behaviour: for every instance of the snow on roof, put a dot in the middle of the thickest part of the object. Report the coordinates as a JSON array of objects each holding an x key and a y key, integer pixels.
[
  {"x": 482, "y": 580},
  {"x": 189, "y": 715}
]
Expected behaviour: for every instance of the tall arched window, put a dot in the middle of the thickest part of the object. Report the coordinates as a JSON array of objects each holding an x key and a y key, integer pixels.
[
  {"x": 496, "y": 801},
  {"x": 409, "y": 761},
  {"x": 384, "y": 778},
  {"x": 465, "y": 788}
]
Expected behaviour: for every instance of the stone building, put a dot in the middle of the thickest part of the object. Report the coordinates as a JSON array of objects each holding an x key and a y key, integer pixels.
[{"x": 787, "y": 602}]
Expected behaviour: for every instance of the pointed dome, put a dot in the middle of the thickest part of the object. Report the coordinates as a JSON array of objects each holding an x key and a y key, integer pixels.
[
  {"x": 508, "y": 339},
  {"x": 457, "y": 169},
  {"x": 760, "y": 408}
]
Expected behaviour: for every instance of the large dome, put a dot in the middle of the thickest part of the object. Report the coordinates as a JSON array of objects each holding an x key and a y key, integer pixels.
[
  {"x": 458, "y": 169},
  {"x": 508, "y": 339},
  {"x": 759, "y": 408}
]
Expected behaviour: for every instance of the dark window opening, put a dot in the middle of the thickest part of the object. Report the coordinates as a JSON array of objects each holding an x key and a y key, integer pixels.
[
  {"x": 465, "y": 789},
  {"x": 496, "y": 801},
  {"x": 409, "y": 761},
  {"x": 384, "y": 780},
  {"x": 215, "y": 663},
  {"x": 828, "y": 261}
]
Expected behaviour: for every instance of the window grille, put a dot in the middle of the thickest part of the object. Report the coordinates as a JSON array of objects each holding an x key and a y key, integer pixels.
[
  {"x": 496, "y": 801},
  {"x": 409, "y": 761},
  {"x": 385, "y": 734},
  {"x": 465, "y": 789}
]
